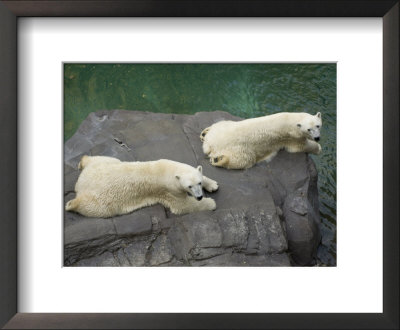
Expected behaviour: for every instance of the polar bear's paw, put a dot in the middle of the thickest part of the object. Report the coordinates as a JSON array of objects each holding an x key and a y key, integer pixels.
[
  {"x": 203, "y": 134},
  {"x": 319, "y": 149},
  {"x": 211, "y": 185},
  {"x": 219, "y": 160},
  {"x": 209, "y": 204}
]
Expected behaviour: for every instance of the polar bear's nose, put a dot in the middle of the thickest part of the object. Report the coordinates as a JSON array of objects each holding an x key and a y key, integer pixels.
[
  {"x": 316, "y": 138},
  {"x": 199, "y": 198}
]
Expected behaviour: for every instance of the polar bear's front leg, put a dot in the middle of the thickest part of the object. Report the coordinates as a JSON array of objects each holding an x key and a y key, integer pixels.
[
  {"x": 206, "y": 148},
  {"x": 295, "y": 147},
  {"x": 209, "y": 184},
  {"x": 269, "y": 156},
  {"x": 189, "y": 204},
  {"x": 206, "y": 204},
  {"x": 312, "y": 147},
  {"x": 309, "y": 146}
]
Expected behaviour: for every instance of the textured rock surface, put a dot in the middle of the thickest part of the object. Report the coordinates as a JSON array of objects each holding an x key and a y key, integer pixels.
[{"x": 266, "y": 216}]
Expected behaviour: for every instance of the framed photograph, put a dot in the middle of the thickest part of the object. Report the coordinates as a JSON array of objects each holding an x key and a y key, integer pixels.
[
  {"x": 265, "y": 220},
  {"x": 165, "y": 88}
]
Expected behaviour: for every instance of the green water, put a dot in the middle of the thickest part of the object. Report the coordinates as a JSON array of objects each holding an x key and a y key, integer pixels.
[{"x": 245, "y": 90}]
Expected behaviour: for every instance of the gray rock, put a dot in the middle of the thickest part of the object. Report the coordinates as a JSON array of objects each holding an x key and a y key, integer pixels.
[
  {"x": 266, "y": 216},
  {"x": 292, "y": 180},
  {"x": 106, "y": 259},
  {"x": 136, "y": 223},
  {"x": 239, "y": 259},
  {"x": 86, "y": 229},
  {"x": 160, "y": 252},
  {"x": 136, "y": 252}
]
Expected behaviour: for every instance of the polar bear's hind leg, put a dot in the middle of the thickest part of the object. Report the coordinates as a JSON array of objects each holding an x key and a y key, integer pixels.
[
  {"x": 206, "y": 148},
  {"x": 72, "y": 205},
  {"x": 88, "y": 205},
  {"x": 203, "y": 133},
  {"x": 86, "y": 160},
  {"x": 234, "y": 159},
  {"x": 83, "y": 162},
  {"x": 219, "y": 161}
]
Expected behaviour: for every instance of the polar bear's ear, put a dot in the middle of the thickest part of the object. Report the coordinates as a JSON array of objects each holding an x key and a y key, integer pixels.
[
  {"x": 177, "y": 176},
  {"x": 318, "y": 115},
  {"x": 298, "y": 125},
  {"x": 200, "y": 169}
]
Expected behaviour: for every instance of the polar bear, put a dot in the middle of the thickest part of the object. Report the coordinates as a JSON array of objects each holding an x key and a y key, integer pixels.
[
  {"x": 108, "y": 187},
  {"x": 241, "y": 144}
]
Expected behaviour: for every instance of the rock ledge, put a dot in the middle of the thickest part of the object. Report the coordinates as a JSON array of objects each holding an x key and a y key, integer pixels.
[{"x": 266, "y": 216}]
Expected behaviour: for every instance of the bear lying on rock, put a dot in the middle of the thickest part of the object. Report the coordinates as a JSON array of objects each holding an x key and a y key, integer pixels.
[
  {"x": 108, "y": 187},
  {"x": 242, "y": 144}
]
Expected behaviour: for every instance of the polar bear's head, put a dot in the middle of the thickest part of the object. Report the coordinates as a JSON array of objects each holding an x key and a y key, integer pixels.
[
  {"x": 191, "y": 182},
  {"x": 310, "y": 126}
]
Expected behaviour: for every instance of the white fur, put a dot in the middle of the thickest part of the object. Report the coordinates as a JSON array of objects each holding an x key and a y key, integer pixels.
[
  {"x": 108, "y": 187},
  {"x": 240, "y": 145}
]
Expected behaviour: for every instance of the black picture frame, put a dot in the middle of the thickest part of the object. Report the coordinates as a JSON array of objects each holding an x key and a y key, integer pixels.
[{"x": 9, "y": 13}]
